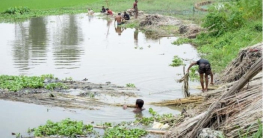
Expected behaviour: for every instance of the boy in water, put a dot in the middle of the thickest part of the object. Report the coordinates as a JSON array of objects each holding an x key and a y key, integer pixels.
[
  {"x": 139, "y": 104},
  {"x": 204, "y": 68}
]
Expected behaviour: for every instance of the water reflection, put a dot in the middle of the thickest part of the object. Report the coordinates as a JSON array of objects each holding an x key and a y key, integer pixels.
[
  {"x": 135, "y": 35},
  {"x": 67, "y": 51},
  {"x": 30, "y": 43},
  {"x": 38, "y": 38},
  {"x": 109, "y": 21},
  {"x": 70, "y": 45},
  {"x": 119, "y": 29},
  {"x": 90, "y": 17}
]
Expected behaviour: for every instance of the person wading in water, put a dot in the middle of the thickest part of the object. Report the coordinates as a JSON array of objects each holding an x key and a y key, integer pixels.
[{"x": 204, "y": 68}]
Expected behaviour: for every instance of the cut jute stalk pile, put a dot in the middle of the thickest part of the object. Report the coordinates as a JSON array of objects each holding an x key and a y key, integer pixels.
[
  {"x": 178, "y": 102},
  {"x": 234, "y": 107},
  {"x": 149, "y": 131},
  {"x": 127, "y": 105}
]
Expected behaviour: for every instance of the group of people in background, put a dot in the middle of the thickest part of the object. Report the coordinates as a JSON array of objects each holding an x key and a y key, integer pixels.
[{"x": 120, "y": 18}]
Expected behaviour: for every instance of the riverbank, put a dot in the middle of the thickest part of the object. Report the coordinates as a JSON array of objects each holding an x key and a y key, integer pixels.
[{"x": 177, "y": 8}]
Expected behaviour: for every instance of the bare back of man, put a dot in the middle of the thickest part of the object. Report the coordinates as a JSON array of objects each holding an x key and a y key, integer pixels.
[{"x": 118, "y": 18}]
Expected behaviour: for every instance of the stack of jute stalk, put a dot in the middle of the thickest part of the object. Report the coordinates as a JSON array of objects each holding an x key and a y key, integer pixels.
[
  {"x": 237, "y": 107},
  {"x": 182, "y": 101},
  {"x": 246, "y": 58}
]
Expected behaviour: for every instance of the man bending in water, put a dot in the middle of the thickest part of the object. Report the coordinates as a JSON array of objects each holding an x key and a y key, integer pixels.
[{"x": 204, "y": 68}]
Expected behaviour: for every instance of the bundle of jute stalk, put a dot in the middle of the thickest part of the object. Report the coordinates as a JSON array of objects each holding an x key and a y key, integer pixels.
[
  {"x": 187, "y": 100},
  {"x": 235, "y": 109}
]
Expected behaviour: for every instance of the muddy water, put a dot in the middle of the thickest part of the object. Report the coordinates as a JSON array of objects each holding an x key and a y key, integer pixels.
[{"x": 81, "y": 47}]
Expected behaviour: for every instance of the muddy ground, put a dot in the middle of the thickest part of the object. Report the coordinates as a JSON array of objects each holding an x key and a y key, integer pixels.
[{"x": 81, "y": 95}]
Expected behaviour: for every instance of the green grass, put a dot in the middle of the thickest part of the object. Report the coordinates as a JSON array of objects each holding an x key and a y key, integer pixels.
[
  {"x": 44, "y": 4},
  {"x": 38, "y": 8},
  {"x": 239, "y": 26},
  {"x": 220, "y": 51}
]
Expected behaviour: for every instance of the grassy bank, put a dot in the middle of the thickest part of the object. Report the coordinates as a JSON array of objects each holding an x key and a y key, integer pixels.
[
  {"x": 44, "y": 4},
  {"x": 237, "y": 25},
  {"x": 180, "y": 8}
]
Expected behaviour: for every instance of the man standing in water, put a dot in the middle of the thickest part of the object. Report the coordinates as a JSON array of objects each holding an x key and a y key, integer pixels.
[
  {"x": 204, "y": 68},
  {"x": 135, "y": 7},
  {"x": 118, "y": 18}
]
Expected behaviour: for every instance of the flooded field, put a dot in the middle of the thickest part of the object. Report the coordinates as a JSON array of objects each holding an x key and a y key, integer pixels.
[{"x": 81, "y": 47}]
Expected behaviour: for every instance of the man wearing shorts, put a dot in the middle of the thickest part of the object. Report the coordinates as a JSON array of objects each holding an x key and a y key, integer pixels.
[
  {"x": 118, "y": 18},
  {"x": 204, "y": 68}
]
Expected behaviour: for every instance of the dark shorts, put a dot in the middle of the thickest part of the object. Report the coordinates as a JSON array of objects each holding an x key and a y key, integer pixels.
[
  {"x": 204, "y": 68},
  {"x": 120, "y": 23}
]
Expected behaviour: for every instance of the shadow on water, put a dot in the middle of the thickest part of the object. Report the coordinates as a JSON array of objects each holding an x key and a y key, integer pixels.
[{"x": 80, "y": 47}]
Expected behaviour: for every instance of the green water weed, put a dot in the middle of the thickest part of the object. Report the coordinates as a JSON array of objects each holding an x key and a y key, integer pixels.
[
  {"x": 65, "y": 127},
  {"x": 16, "y": 83},
  {"x": 123, "y": 132},
  {"x": 131, "y": 85},
  {"x": 176, "y": 62}
]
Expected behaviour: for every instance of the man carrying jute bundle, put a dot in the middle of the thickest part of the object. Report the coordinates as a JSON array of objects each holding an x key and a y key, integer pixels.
[{"x": 204, "y": 68}]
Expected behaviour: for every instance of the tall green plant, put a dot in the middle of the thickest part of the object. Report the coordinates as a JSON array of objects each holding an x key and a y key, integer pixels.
[{"x": 231, "y": 16}]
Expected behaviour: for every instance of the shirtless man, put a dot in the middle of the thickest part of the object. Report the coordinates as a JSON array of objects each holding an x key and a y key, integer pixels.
[
  {"x": 90, "y": 12},
  {"x": 118, "y": 18}
]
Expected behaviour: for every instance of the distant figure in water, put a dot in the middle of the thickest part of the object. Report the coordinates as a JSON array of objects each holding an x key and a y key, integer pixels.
[
  {"x": 126, "y": 16},
  {"x": 103, "y": 10},
  {"x": 139, "y": 105},
  {"x": 204, "y": 68},
  {"x": 109, "y": 12},
  {"x": 118, "y": 18},
  {"x": 90, "y": 12}
]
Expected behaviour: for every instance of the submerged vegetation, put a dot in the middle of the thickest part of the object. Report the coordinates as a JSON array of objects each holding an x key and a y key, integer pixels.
[
  {"x": 235, "y": 25},
  {"x": 155, "y": 117},
  {"x": 16, "y": 83}
]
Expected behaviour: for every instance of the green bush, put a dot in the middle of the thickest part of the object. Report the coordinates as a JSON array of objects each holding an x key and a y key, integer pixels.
[{"x": 231, "y": 16}]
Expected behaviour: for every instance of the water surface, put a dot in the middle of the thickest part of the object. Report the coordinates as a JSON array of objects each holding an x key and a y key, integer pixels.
[{"x": 81, "y": 47}]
